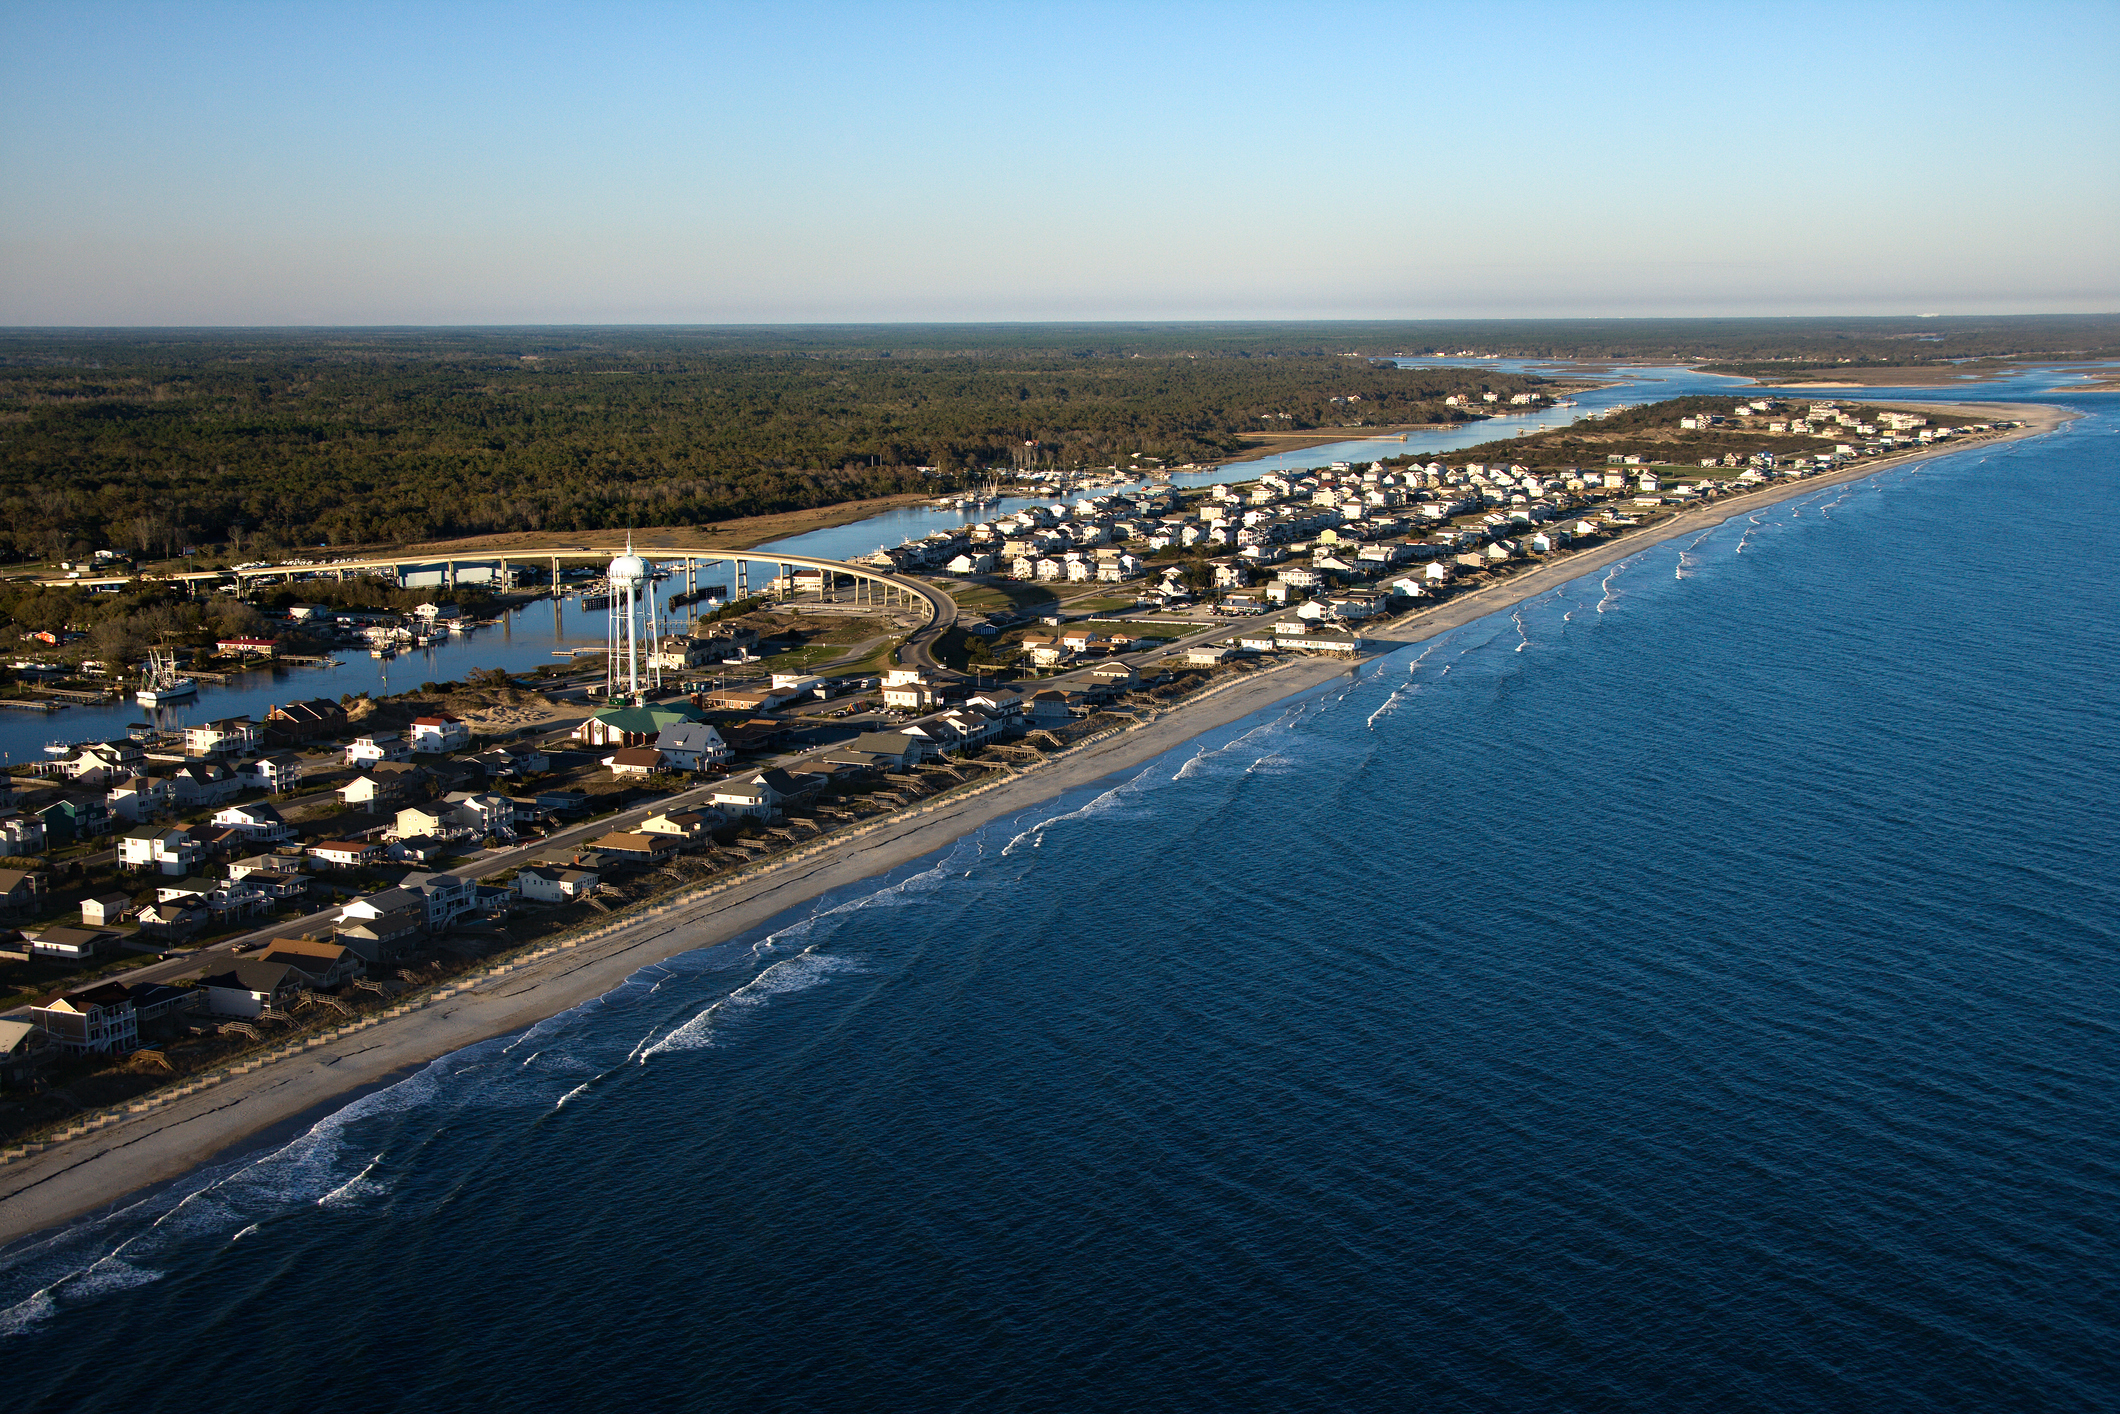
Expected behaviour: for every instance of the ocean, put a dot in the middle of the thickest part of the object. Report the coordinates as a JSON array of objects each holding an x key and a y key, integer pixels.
[{"x": 1691, "y": 989}]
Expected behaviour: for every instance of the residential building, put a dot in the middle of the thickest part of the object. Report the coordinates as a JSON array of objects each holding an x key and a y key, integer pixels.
[
  {"x": 153, "y": 1000},
  {"x": 692, "y": 746},
  {"x": 441, "y": 732},
  {"x": 423, "y": 850},
  {"x": 562, "y": 802},
  {"x": 96, "y": 1021},
  {"x": 552, "y": 883},
  {"x": 71, "y": 821},
  {"x": 346, "y": 854},
  {"x": 278, "y": 773},
  {"x": 383, "y": 785},
  {"x": 197, "y": 785},
  {"x": 22, "y": 835},
  {"x": 901, "y": 750},
  {"x": 71, "y": 945},
  {"x": 252, "y": 988},
  {"x": 635, "y": 848},
  {"x": 25, "y": 1049},
  {"x": 416, "y": 821},
  {"x": 136, "y": 798},
  {"x": 481, "y": 813},
  {"x": 257, "y": 822},
  {"x": 512, "y": 761},
  {"x": 686, "y": 826},
  {"x": 227, "y": 736},
  {"x": 634, "y": 761},
  {"x": 635, "y": 726},
  {"x": 1054, "y": 707},
  {"x": 913, "y": 695},
  {"x": 104, "y": 910},
  {"x": 378, "y": 746},
  {"x": 322, "y": 964},
  {"x": 305, "y": 721},
  {"x": 98, "y": 763},
  {"x": 447, "y": 897},
  {"x": 760, "y": 794},
  {"x": 159, "y": 850},
  {"x": 171, "y": 920}
]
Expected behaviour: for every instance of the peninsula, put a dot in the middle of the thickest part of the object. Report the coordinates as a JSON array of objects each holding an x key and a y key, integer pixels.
[{"x": 1215, "y": 674}]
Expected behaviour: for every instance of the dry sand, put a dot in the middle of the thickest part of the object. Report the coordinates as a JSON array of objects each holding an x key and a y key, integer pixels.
[{"x": 102, "y": 1169}]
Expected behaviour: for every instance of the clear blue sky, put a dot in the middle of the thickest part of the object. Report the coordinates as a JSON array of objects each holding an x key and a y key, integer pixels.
[{"x": 320, "y": 163}]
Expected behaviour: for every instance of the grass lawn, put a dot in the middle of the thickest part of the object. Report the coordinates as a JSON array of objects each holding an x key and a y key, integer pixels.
[
  {"x": 1021, "y": 598},
  {"x": 1151, "y": 630},
  {"x": 1102, "y": 604}
]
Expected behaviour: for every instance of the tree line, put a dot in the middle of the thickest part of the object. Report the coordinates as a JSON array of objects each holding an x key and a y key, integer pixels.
[{"x": 257, "y": 443}]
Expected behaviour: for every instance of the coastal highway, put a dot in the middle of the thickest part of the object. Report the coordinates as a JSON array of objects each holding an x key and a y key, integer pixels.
[{"x": 919, "y": 650}]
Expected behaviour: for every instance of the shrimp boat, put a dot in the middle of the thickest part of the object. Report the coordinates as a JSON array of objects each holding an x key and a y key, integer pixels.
[{"x": 162, "y": 685}]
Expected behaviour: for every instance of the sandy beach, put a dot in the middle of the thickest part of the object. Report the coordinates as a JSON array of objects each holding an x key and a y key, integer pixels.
[{"x": 103, "y": 1169}]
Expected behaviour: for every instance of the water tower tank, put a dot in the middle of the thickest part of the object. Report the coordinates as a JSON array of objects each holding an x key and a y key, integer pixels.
[{"x": 627, "y": 570}]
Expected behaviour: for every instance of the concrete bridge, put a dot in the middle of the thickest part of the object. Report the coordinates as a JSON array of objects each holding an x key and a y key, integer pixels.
[{"x": 832, "y": 581}]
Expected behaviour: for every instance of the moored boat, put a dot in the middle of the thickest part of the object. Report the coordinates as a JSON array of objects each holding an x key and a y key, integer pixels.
[{"x": 161, "y": 684}]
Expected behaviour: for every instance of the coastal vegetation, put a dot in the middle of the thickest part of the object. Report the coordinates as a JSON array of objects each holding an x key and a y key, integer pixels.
[
  {"x": 263, "y": 442},
  {"x": 250, "y": 443},
  {"x": 1655, "y": 430}
]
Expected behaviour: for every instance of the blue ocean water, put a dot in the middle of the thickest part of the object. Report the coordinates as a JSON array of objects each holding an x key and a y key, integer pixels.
[{"x": 1693, "y": 989}]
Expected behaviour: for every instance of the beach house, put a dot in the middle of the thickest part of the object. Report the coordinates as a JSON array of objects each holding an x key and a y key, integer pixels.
[
  {"x": 256, "y": 822},
  {"x": 553, "y": 883},
  {"x": 692, "y": 746},
  {"x": 97, "y": 1021},
  {"x": 159, "y": 850},
  {"x": 440, "y": 732},
  {"x": 377, "y": 746}
]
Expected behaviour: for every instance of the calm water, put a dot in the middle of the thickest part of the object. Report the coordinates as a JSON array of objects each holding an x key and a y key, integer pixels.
[
  {"x": 1691, "y": 990},
  {"x": 532, "y": 637}
]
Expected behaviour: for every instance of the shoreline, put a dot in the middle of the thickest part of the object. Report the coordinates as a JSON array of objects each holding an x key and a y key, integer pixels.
[{"x": 105, "y": 1170}]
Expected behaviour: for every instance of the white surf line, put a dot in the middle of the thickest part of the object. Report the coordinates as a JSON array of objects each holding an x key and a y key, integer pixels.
[
  {"x": 1679, "y": 570},
  {"x": 1605, "y": 584},
  {"x": 1523, "y": 639}
]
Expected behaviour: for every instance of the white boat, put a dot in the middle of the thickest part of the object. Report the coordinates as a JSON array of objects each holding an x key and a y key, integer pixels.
[{"x": 161, "y": 685}]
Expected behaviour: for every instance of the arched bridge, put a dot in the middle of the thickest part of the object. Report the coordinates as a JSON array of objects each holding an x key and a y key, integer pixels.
[{"x": 830, "y": 581}]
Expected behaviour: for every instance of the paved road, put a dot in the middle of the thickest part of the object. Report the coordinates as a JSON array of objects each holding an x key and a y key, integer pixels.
[{"x": 919, "y": 650}]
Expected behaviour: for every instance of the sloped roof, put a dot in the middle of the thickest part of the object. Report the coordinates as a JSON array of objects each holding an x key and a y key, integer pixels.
[{"x": 645, "y": 721}]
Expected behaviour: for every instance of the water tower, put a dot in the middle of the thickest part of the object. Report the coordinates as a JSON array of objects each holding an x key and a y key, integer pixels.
[{"x": 629, "y": 672}]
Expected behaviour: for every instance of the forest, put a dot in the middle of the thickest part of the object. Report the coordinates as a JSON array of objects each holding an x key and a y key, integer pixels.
[
  {"x": 249, "y": 444},
  {"x": 246, "y": 444}
]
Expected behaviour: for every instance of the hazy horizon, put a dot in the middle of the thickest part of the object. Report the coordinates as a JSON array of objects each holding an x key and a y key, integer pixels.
[{"x": 245, "y": 166}]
